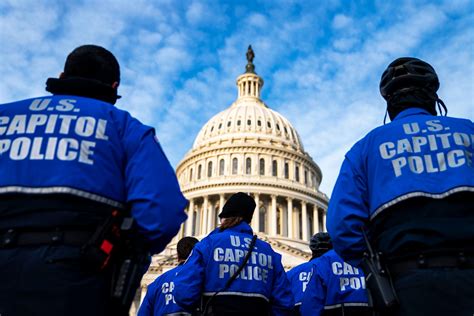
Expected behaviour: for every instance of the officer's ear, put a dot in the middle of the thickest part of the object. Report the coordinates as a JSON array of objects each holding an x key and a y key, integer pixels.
[{"x": 115, "y": 85}]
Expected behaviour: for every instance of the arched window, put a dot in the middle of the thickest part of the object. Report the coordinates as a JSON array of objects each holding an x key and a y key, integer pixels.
[
  {"x": 262, "y": 166},
  {"x": 209, "y": 169},
  {"x": 221, "y": 167},
  {"x": 274, "y": 168},
  {"x": 306, "y": 177},
  {"x": 287, "y": 170},
  {"x": 199, "y": 172},
  {"x": 297, "y": 173},
  {"x": 248, "y": 166},
  {"x": 191, "y": 174},
  {"x": 235, "y": 165}
]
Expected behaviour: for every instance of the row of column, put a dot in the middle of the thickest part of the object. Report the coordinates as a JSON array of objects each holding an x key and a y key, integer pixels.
[{"x": 207, "y": 217}]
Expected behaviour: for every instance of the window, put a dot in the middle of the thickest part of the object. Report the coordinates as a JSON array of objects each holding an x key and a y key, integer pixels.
[
  {"x": 235, "y": 164},
  {"x": 249, "y": 122},
  {"x": 248, "y": 166},
  {"x": 306, "y": 177},
  {"x": 278, "y": 127},
  {"x": 212, "y": 128},
  {"x": 269, "y": 124},
  {"x": 238, "y": 122},
  {"x": 191, "y": 174},
  {"x": 259, "y": 123},
  {"x": 209, "y": 169},
  {"x": 220, "y": 125},
  {"x": 199, "y": 172},
  {"x": 228, "y": 124},
  {"x": 262, "y": 166},
  {"x": 297, "y": 173},
  {"x": 221, "y": 167},
  {"x": 287, "y": 170},
  {"x": 274, "y": 168}
]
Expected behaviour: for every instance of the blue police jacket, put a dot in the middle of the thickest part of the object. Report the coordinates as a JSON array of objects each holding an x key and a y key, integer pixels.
[
  {"x": 90, "y": 149},
  {"x": 214, "y": 260},
  {"x": 416, "y": 155},
  {"x": 299, "y": 277},
  {"x": 159, "y": 298},
  {"x": 334, "y": 284}
]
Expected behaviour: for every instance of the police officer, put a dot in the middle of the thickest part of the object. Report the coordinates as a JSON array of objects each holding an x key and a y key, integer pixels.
[
  {"x": 300, "y": 275},
  {"x": 410, "y": 185},
  {"x": 159, "y": 298},
  {"x": 260, "y": 288},
  {"x": 68, "y": 163},
  {"x": 335, "y": 288}
]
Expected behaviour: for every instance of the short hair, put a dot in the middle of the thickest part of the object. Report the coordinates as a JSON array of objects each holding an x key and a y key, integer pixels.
[
  {"x": 185, "y": 246},
  {"x": 92, "y": 62}
]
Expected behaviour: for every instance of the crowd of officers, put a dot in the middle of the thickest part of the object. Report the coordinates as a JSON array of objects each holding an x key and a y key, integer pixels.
[
  {"x": 87, "y": 196},
  {"x": 199, "y": 285}
]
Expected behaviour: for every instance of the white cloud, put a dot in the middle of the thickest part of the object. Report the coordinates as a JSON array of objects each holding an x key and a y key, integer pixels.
[{"x": 341, "y": 21}]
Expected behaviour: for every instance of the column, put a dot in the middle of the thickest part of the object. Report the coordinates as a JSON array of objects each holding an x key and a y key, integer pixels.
[
  {"x": 256, "y": 213},
  {"x": 315, "y": 219},
  {"x": 221, "y": 202},
  {"x": 324, "y": 220},
  {"x": 273, "y": 217},
  {"x": 189, "y": 225},
  {"x": 205, "y": 211},
  {"x": 290, "y": 217},
  {"x": 304, "y": 219},
  {"x": 211, "y": 217}
]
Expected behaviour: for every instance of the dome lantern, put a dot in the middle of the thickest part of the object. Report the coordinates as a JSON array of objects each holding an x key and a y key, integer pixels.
[{"x": 249, "y": 84}]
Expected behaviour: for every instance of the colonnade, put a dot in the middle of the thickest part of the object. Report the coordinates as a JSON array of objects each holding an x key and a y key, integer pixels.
[{"x": 274, "y": 215}]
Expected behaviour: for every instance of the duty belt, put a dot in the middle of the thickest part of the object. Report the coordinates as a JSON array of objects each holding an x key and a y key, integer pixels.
[
  {"x": 460, "y": 260},
  {"x": 14, "y": 238}
]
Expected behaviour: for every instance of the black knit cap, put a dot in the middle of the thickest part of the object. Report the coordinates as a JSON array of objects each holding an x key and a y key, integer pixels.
[
  {"x": 92, "y": 62},
  {"x": 239, "y": 205}
]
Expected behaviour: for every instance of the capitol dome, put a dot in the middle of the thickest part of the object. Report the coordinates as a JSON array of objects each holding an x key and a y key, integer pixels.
[{"x": 248, "y": 117}]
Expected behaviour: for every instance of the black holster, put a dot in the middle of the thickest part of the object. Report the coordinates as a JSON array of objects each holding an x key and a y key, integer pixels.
[
  {"x": 131, "y": 263},
  {"x": 382, "y": 295}
]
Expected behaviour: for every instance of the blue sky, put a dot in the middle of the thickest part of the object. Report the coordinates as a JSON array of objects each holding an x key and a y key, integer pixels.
[{"x": 321, "y": 60}]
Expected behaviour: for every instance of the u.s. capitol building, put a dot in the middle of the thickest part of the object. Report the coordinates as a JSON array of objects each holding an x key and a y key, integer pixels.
[{"x": 250, "y": 148}]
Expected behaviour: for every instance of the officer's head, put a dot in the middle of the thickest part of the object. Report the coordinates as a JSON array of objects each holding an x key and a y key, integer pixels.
[
  {"x": 319, "y": 244},
  {"x": 92, "y": 62},
  {"x": 184, "y": 247},
  {"x": 90, "y": 71},
  {"x": 409, "y": 82},
  {"x": 239, "y": 205}
]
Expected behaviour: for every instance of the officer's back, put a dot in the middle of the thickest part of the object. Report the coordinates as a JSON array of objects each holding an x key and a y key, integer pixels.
[
  {"x": 71, "y": 165},
  {"x": 262, "y": 285},
  {"x": 335, "y": 288}
]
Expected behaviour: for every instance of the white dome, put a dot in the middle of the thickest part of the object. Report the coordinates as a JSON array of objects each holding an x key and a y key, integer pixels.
[{"x": 249, "y": 117}]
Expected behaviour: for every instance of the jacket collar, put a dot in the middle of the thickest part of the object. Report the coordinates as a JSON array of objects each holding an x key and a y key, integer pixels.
[
  {"x": 243, "y": 227},
  {"x": 410, "y": 112}
]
